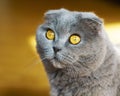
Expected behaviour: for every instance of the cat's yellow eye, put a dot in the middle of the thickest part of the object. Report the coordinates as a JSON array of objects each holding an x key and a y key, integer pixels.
[
  {"x": 50, "y": 35},
  {"x": 74, "y": 39}
]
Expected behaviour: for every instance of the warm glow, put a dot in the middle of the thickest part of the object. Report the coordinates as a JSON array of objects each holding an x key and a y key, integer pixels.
[
  {"x": 32, "y": 42},
  {"x": 113, "y": 31}
]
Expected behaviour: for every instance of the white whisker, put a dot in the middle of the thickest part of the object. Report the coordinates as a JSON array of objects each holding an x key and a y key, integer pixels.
[{"x": 42, "y": 59}]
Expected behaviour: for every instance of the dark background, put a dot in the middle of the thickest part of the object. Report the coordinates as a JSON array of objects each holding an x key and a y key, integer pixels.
[{"x": 21, "y": 72}]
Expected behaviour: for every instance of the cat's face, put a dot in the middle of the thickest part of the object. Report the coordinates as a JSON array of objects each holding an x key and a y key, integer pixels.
[{"x": 71, "y": 40}]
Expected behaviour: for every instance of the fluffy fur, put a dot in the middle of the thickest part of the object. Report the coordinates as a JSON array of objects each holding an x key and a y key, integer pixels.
[{"x": 90, "y": 68}]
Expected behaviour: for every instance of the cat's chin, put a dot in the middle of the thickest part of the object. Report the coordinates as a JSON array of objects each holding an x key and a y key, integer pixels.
[{"x": 57, "y": 64}]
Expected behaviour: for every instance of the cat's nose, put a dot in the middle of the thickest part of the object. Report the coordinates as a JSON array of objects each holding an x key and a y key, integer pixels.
[{"x": 56, "y": 49}]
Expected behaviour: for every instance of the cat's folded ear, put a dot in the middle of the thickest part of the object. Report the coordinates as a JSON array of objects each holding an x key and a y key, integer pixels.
[
  {"x": 52, "y": 14},
  {"x": 94, "y": 24}
]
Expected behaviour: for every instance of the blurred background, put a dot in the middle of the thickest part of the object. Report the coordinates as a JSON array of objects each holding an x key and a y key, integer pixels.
[{"x": 21, "y": 71}]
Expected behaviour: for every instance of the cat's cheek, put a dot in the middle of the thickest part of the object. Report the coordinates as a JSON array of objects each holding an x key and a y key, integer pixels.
[
  {"x": 49, "y": 54},
  {"x": 46, "y": 52}
]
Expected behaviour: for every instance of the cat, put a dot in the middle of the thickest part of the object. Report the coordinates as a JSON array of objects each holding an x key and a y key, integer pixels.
[{"x": 77, "y": 55}]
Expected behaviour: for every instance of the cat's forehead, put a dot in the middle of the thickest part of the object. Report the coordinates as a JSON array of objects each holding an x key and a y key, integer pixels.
[
  {"x": 65, "y": 22},
  {"x": 67, "y": 18},
  {"x": 62, "y": 20},
  {"x": 61, "y": 17}
]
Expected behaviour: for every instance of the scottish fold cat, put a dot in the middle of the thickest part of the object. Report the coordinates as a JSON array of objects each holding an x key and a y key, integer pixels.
[{"x": 77, "y": 54}]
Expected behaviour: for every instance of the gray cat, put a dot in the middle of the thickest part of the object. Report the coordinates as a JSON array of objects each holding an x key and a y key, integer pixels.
[{"x": 77, "y": 55}]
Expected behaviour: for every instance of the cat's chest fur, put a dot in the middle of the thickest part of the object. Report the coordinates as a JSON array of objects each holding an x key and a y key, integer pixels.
[{"x": 94, "y": 85}]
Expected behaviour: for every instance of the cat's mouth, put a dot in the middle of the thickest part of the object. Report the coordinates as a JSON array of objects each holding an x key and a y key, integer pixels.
[
  {"x": 57, "y": 58},
  {"x": 58, "y": 62},
  {"x": 62, "y": 60}
]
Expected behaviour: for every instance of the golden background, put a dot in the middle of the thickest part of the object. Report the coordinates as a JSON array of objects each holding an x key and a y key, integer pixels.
[{"x": 21, "y": 72}]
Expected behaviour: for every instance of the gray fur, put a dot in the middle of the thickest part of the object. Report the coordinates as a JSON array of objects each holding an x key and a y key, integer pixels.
[{"x": 90, "y": 68}]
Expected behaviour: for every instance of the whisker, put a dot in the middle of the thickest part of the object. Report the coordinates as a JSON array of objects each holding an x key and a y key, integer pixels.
[
  {"x": 42, "y": 59},
  {"x": 30, "y": 65},
  {"x": 34, "y": 61}
]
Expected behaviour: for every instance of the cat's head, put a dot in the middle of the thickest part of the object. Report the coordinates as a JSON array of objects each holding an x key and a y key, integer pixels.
[{"x": 70, "y": 39}]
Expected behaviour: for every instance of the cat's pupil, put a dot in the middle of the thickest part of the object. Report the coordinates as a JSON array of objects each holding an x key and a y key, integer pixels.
[
  {"x": 50, "y": 35},
  {"x": 74, "y": 39}
]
